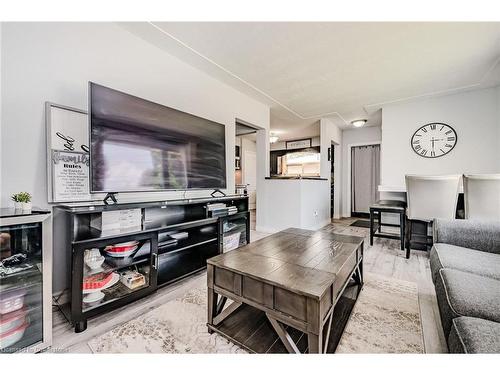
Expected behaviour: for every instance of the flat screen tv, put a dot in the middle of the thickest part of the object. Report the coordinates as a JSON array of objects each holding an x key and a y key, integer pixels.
[{"x": 137, "y": 145}]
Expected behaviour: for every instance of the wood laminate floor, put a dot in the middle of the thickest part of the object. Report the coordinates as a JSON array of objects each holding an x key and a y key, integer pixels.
[{"x": 383, "y": 258}]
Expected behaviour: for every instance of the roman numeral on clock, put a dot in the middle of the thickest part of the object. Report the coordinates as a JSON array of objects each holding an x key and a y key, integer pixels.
[
  {"x": 433, "y": 126},
  {"x": 423, "y": 152},
  {"x": 451, "y": 139}
]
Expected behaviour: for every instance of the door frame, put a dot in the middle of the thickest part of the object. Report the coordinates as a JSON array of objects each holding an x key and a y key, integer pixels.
[
  {"x": 263, "y": 152},
  {"x": 333, "y": 163},
  {"x": 244, "y": 168},
  {"x": 349, "y": 171}
]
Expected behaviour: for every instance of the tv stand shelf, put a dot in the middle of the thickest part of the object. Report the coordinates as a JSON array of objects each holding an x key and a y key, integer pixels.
[
  {"x": 194, "y": 223},
  {"x": 175, "y": 239}
]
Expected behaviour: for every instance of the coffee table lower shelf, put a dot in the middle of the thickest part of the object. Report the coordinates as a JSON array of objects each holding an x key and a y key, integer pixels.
[{"x": 249, "y": 328}]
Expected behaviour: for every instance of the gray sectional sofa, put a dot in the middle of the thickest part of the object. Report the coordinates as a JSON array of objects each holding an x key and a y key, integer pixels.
[{"x": 465, "y": 266}]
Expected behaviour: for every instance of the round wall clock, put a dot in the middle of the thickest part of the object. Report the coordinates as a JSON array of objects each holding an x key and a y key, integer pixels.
[{"x": 434, "y": 140}]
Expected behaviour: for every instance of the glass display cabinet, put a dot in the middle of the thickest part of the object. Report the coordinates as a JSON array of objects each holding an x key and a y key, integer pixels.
[
  {"x": 234, "y": 230},
  {"x": 25, "y": 280},
  {"x": 110, "y": 272}
]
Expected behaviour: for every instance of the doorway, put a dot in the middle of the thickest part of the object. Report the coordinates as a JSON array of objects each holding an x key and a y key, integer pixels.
[
  {"x": 365, "y": 178},
  {"x": 246, "y": 166}
]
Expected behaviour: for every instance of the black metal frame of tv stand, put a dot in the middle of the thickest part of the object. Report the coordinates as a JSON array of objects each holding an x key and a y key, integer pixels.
[{"x": 71, "y": 230}]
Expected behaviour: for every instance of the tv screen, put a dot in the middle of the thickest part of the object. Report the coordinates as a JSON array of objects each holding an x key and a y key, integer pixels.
[{"x": 138, "y": 145}]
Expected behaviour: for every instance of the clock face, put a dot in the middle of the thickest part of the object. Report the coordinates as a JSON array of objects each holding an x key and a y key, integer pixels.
[{"x": 434, "y": 140}]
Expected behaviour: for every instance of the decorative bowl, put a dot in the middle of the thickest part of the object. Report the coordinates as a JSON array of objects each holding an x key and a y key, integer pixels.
[{"x": 95, "y": 263}]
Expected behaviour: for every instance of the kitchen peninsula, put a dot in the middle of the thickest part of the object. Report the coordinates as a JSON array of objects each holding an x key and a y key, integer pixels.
[{"x": 294, "y": 201}]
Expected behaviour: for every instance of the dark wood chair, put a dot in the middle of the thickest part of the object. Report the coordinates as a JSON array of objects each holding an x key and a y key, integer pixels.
[
  {"x": 429, "y": 198},
  {"x": 388, "y": 206}
]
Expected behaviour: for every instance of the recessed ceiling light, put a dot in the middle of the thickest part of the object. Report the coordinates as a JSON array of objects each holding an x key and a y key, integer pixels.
[
  {"x": 358, "y": 123},
  {"x": 273, "y": 138}
]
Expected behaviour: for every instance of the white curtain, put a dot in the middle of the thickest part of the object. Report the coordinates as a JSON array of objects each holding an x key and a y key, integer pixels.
[{"x": 365, "y": 177}]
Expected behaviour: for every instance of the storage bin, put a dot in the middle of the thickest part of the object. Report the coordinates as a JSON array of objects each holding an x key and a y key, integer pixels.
[
  {"x": 11, "y": 321},
  {"x": 231, "y": 241},
  {"x": 9, "y": 338},
  {"x": 11, "y": 301}
]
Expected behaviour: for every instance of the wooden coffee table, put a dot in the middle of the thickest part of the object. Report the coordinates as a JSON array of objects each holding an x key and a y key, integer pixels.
[{"x": 290, "y": 281}]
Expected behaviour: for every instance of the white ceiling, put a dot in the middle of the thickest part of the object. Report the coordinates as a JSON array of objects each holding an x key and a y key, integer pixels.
[{"x": 343, "y": 71}]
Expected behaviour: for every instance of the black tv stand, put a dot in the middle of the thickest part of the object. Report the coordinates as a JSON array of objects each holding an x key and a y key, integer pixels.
[
  {"x": 110, "y": 196},
  {"x": 175, "y": 239}
]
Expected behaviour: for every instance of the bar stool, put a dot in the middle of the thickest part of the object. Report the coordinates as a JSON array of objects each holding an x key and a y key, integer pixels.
[
  {"x": 482, "y": 196},
  {"x": 387, "y": 206},
  {"x": 429, "y": 198}
]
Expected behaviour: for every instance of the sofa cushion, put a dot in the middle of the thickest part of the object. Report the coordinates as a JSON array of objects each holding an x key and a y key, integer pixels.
[
  {"x": 464, "y": 259},
  {"x": 465, "y": 294},
  {"x": 474, "y": 335},
  {"x": 483, "y": 235}
]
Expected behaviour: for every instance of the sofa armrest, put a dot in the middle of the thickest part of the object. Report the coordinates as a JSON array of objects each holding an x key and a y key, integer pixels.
[{"x": 473, "y": 234}]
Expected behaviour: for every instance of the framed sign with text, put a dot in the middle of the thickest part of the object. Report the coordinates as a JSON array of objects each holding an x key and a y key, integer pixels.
[
  {"x": 301, "y": 143},
  {"x": 70, "y": 176},
  {"x": 68, "y": 158}
]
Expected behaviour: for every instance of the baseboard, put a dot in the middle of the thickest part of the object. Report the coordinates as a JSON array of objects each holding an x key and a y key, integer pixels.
[
  {"x": 321, "y": 225},
  {"x": 260, "y": 228}
]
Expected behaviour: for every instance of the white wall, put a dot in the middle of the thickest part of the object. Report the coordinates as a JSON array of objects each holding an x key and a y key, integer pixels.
[
  {"x": 475, "y": 117},
  {"x": 498, "y": 122},
  {"x": 282, "y": 202},
  {"x": 350, "y": 137},
  {"x": 315, "y": 214},
  {"x": 1, "y": 90},
  {"x": 331, "y": 133},
  {"x": 54, "y": 62}
]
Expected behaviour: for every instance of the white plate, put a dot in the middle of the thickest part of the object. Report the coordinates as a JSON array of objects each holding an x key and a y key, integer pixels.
[
  {"x": 93, "y": 297},
  {"x": 113, "y": 281},
  {"x": 129, "y": 243},
  {"x": 121, "y": 254}
]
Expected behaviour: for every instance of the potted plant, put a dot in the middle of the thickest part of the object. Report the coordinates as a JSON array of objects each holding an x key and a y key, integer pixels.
[{"x": 22, "y": 201}]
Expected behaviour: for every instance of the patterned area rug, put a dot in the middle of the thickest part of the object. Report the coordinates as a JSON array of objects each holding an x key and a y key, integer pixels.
[{"x": 385, "y": 319}]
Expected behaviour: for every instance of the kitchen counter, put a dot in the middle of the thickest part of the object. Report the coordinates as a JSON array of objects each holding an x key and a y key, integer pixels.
[
  {"x": 295, "y": 178},
  {"x": 295, "y": 202}
]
